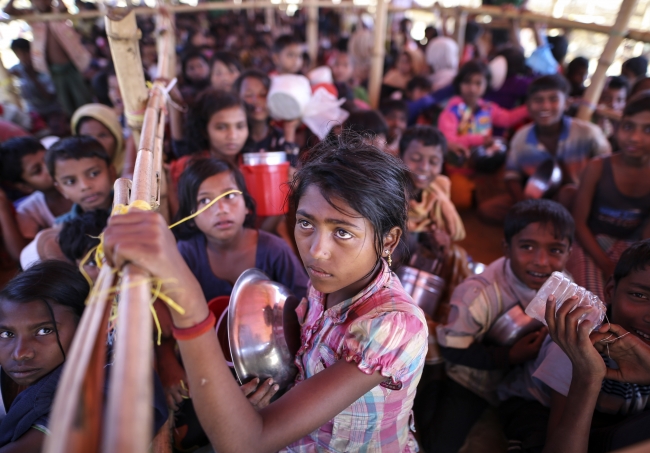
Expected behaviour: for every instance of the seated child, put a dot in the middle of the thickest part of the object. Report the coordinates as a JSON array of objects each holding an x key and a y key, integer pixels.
[
  {"x": 537, "y": 240},
  {"x": 398, "y": 77},
  {"x": 82, "y": 172},
  {"x": 370, "y": 125},
  {"x": 553, "y": 135},
  {"x": 287, "y": 55},
  {"x": 394, "y": 113},
  {"x": 634, "y": 69},
  {"x": 80, "y": 235},
  {"x": 433, "y": 222},
  {"x": 39, "y": 312},
  {"x": 612, "y": 207},
  {"x": 599, "y": 398},
  {"x": 226, "y": 67}
]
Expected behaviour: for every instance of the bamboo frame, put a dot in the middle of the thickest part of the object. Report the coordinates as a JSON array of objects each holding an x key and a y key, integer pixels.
[
  {"x": 312, "y": 34},
  {"x": 593, "y": 92},
  {"x": 378, "y": 53}
]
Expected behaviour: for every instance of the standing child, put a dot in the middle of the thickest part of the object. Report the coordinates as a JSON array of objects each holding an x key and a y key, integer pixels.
[
  {"x": 39, "y": 313},
  {"x": 287, "y": 55},
  {"x": 363, "y": 338},
  {"x": 613, "y": 203}
]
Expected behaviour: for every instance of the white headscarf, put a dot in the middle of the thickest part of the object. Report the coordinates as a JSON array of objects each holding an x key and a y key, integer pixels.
[{"x": 442, "y": 55}]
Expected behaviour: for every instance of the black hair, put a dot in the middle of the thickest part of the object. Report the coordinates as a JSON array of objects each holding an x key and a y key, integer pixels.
[
  {"x": 516, "y": 61},
  {"x": 559, "y": 47},
  {"x": 190, "y": 55},
  {"x": 546, "y": 212},
  {"x": 639, "y": 86},
  {"x": 366, "y": 123},
  {"x": 635, "y": 258},
  {"x": 553, "y": 82},
  {"x": 418, "y": 81},
  {"x": 227, "y": 58},
  {"x": 284, "y": 41},
  {"x": 252, "y": 73},
  {"x": 207, "y": 103},
  {"x": 469, "y": 69},
  {"x": 500, "y": 37},
  {"x": 428, "y": 135},
  {"x": 393, "y": 105},
  {"x": 380, "y": 192},
  {"x": 75, "y": 148},
  {"x": 80, "y": 234},
  {"x": 11, "y": 157},
  {"x": 21, "y": 44},
  {"x": 52, "y": 282},
  {"x": 576, "y": 64},
  {"x": 472, "y": 31},
  {"x": 618, "y": 83},
  {"x": 197, "y": 171},
  {"x": 637, "y": 66},
  {"x": 638, "y": 103}
]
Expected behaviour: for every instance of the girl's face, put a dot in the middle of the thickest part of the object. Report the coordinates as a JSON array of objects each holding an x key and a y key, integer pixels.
[
  {"x": 342, "y": 68},
  {"x": 630, "y": 302},
  {"x": 633, "y": 135},
  {"x": 424, "y": 162},
  {"x": 337, "y": 248},
  {"x": 227, "y": 132},
  {"x": 99, "y": 132},
  {"x": 223, "y": 76},
  {"x": 253, "y": 93},
  {"x": 404, "y": 64},
  {"x": 473, "y": 88},
  {"x": 28, "y": 345},
  {"x": 224, "y": 219},
  {"x": 197, "y": 69}
]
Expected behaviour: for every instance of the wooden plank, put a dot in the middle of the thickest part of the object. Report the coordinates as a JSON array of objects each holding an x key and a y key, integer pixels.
[{"x": 378, "y": 53}]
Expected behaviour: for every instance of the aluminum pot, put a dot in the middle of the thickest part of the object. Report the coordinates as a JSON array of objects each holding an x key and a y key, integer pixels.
[
  {"x": 546, "y": 180},
  {"x": 272, "y": 158},
  {"x": 424, "y": 288},
  {"x": 511, "y": 326},
  {"x": 263, "y": 329}
]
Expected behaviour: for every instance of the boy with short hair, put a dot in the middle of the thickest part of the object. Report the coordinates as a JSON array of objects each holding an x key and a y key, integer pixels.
[
  {"x": 287, "y": 55},
  {"x": 83, "y": 173},
  {"x": 599, "y": 398},
  {"x": 80, "y": 235},
  {"x": 634, "y": 69},
  {"x": 538, "y": 235},
  {"x": 394, "y": 112},
  {"x": 552, "y": 135}
]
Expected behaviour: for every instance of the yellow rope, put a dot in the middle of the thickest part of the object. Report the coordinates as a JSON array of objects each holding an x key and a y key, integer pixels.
[{"x": 205, "y": 208}]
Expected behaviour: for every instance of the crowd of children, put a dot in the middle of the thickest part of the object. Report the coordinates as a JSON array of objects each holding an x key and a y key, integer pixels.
[{"x": 384, "y": 188}]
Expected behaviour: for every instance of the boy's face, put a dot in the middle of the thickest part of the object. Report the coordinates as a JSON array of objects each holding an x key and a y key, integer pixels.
[
  {"x": 396, "y": 121},
  {"x": 633, "y": 135},
  {"x": 473, "y": 88},
  {"x": 535, "y": 253},
  {"x": 547, "y": 107},
  {"x": 424, "y": 163},
  {"x": 630, "y": 302},
  {"x": 289, "y": 59},
  {"x": 87, "y": 182},
  {"x": 614, "y": 98},
  {"x": 417, "y": 93},
  {"x": 24, "y": 57},
  {"x": 35, "y": 174}
]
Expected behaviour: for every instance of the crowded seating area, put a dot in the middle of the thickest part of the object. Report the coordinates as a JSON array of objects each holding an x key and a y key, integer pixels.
[{"x": 231, "y": 229}]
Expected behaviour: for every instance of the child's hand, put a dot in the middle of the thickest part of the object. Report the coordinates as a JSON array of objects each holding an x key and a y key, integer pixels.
[
  {"x": 440, "y": 239},
  {"x": 259, "y": 397},
  {"x": 527, "y": 347},
  {"x": 290, "y": 128},
  {"x": 176, "y": 393},
  {"x": 459, "y": 150},
  {"x": 572, "y": 337},
  {"x": 631, "y": 354}
]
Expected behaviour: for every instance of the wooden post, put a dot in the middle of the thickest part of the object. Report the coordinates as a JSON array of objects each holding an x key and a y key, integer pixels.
[
  {"x": 123, "y": 36},
  {"x": 618, "y": 32},
  {"x": 459, "y": 31},
  {"x": 269, "y": 18},
  {"x": 312, "y": 34},
  {"x": 378, "y": 53}
]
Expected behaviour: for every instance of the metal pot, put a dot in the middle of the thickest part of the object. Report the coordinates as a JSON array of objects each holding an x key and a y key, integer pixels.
[
  {"x": 546, "y": 180},
  {"x": 272, "y": 158},
  {"x": 263, "y": 329},
  {"x": 424, "y": 288},
  {"x": 511, "y": 326}
]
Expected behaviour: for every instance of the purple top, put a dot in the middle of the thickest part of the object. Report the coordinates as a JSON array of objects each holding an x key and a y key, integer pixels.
[
  {"x": 273, "y": 257},
  {"x": 512, "y": 93}
]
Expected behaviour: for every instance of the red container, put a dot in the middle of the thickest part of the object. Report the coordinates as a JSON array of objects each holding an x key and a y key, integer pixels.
[{"x": 267, "y": 184}]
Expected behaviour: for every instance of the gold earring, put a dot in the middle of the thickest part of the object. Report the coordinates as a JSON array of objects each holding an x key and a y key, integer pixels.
[{"x": 389, "y": 258}]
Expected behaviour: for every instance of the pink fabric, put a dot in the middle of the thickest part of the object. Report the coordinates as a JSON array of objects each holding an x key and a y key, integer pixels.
[
  {"x": 486, "y": 115},
  {"x": 381, "y": 329}
]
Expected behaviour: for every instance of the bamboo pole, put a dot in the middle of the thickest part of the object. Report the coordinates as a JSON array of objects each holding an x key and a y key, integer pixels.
[
  {"x": 378, "y": 53},
  {"x": 123, "y": 36},
  {"x": 312, "y": 34},
  {"x": 592, "y": 94},
  {"x": 459, "y": 31}
]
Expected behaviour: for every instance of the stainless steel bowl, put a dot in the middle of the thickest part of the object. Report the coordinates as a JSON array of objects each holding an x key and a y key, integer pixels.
[
  {"x": 273, "y": 158},
  {"x": 263, "y": 329},
  {"x": 546, "y": 180},
  {"x": 424, "y": 288},
  {"x": 511, "y": 326}
]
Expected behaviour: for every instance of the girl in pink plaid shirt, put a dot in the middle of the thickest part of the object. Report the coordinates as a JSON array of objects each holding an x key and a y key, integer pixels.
[{"x": 363, "y": 338}]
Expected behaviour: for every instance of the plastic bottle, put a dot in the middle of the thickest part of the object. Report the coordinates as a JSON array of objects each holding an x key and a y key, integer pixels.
[{"x": 562, "y": 288}]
